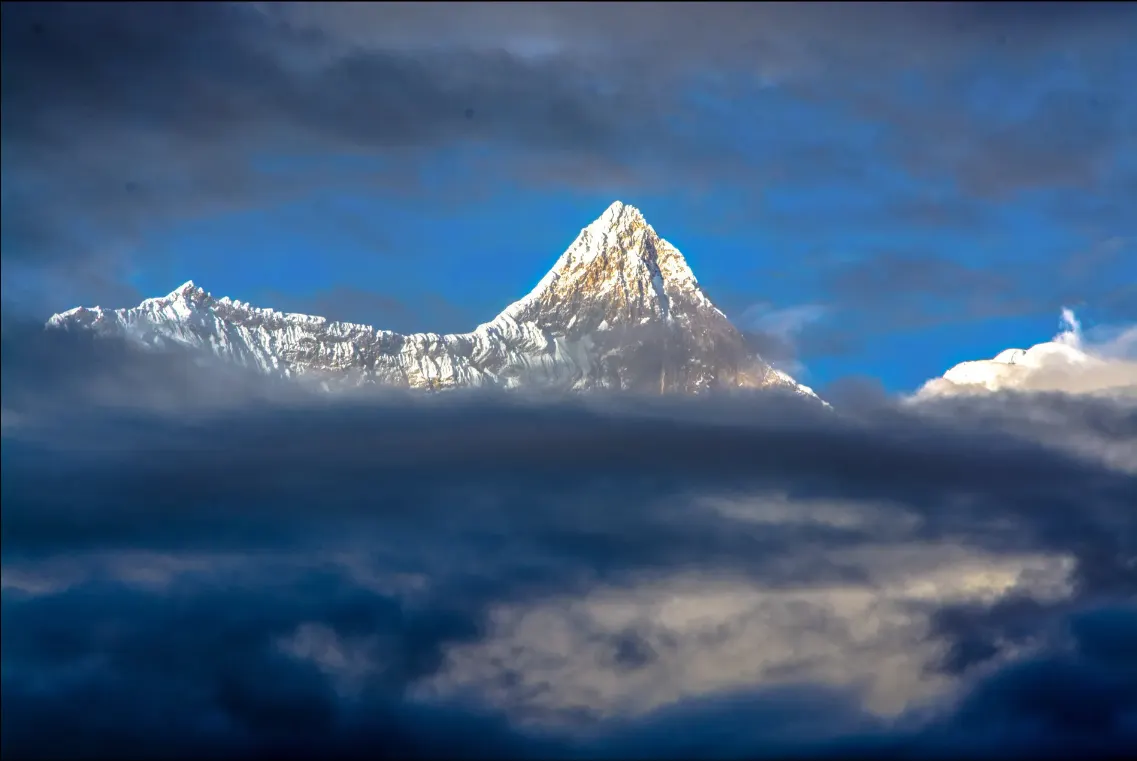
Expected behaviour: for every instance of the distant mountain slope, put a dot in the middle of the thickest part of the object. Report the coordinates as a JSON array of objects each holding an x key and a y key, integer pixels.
[{"x": 619, "y": 310}]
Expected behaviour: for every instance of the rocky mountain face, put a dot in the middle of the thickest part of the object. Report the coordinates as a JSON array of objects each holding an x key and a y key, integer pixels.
[{"x": 620, "y": 310}]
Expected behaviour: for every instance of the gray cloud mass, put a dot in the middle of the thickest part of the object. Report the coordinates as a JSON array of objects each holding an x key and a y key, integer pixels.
[{"x": 246, "y": 569}]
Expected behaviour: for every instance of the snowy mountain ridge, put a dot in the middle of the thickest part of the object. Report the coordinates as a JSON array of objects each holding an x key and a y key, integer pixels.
[{"x": 619, "y": 310}]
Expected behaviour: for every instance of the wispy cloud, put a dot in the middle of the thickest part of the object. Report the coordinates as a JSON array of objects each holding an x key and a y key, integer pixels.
[{"x": 773, "y": 332}]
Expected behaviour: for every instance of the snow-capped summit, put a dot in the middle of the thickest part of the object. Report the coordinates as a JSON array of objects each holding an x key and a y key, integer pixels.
[
  {"x": 617, "y": 211},
  {"x": 620, "y": 309},
  {"x": 618, "y": 271},
  {"x": 183, "y": 291}
]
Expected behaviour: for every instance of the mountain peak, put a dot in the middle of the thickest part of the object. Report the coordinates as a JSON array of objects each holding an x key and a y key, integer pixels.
[
  {"x": 184, "y": 290},
  {"x": 618, "y": 272},
  {"x": 620, "y": 216}
]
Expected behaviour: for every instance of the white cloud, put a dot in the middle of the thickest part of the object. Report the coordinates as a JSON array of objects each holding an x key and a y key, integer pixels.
[{"x": 1105, "y": 362}]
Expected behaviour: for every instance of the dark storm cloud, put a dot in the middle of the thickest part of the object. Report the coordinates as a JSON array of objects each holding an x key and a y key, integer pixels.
[
  {"x": 243, "y": 571},
  {"x": 1074, "y": 138},
  {"x": 910, "y": 286},
  {"x": 1070, "y": 139},
  {"x": 1024, "y": 709},
  {"x": 60, "y": 381},
  {"x": 63, "y": 380},
  {"x": 897, "y": 291},
  {"x": 1097, "y": 666},
  {"x": 492, "y": 440},
  {"x": 978, "y": 632},
  {"x": 201, "y": 672},
  {"x": 118, "y": 119},
  {"x": 43, "y": 368},
  {"x": 856, "y": 392}
]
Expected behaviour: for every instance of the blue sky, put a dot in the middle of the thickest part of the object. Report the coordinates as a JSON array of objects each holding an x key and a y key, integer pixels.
[{"x": 916, "y": 184}]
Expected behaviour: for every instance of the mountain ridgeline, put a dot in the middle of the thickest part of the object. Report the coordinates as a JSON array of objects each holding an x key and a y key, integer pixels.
[{"x": 620, "y": 310}]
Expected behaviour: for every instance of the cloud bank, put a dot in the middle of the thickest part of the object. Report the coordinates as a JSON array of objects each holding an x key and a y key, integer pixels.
[{"x": 218, "y": 570}]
